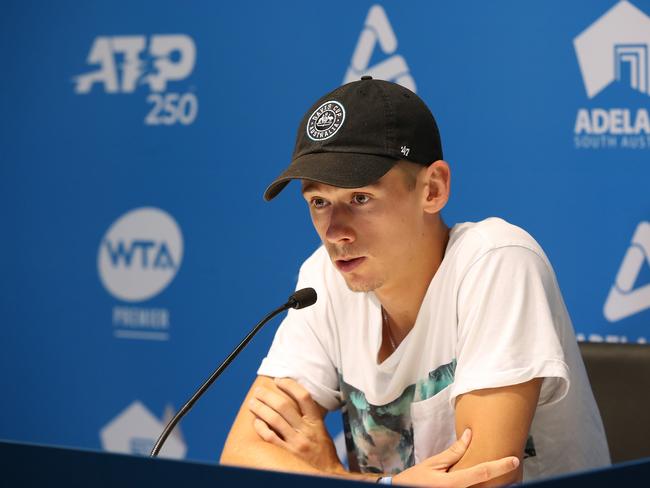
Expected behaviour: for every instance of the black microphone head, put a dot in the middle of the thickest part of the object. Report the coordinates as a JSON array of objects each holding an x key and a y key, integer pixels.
[{"x": 302, "y": 298}]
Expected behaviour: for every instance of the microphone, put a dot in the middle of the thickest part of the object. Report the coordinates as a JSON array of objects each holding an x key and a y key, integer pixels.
[{"x": 300, "y": 299}]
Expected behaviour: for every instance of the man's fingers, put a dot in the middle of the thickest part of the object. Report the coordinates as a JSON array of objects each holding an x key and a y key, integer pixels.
[
  {"x": 267, "y": 434},
  {"x": 482, "y": 472},
  {"x": 452, "y": 454},
  {"x": 281, "y": 403},
  {"x": 307, "y": 405},
  {"x": 271, "y": 418}
]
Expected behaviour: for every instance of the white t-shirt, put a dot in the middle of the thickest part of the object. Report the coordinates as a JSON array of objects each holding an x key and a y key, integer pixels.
[{"x": 492, "y": 316}]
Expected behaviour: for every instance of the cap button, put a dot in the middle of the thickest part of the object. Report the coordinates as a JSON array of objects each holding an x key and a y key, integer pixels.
[{"x": 366, "y": 77}]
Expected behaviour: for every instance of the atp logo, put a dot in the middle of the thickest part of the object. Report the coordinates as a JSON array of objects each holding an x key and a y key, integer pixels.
[
  {"x": 614, "y": 50},
  {"x": 135, "y": 431},
  {"x": 140, "y": 254},
  {"x": 377, "y": 30},
  {"x": 128, "y": 62},
  {"x": 624, "y": 300}
]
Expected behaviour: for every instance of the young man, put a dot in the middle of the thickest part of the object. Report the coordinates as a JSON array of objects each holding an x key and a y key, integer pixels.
[{"x": 420, "y": 332}]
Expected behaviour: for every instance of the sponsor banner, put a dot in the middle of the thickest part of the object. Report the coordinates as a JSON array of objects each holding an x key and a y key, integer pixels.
[{"x": 139, "y": 251}]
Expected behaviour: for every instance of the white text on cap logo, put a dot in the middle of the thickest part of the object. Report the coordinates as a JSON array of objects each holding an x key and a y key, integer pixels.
[
  {"x": 140, "y": 254},
  {"x": 325, "y": 121}
]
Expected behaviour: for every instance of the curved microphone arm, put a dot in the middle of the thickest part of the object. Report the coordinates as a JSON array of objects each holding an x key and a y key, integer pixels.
[{"x": 300, "y": 299}]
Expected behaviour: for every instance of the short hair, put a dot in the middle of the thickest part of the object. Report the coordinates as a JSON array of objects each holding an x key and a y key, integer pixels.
[{"x": 410, "y": 172}]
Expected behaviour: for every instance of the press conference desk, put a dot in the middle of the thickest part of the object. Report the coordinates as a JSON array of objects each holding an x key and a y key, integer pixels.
[{"x": 36, "y": 465}]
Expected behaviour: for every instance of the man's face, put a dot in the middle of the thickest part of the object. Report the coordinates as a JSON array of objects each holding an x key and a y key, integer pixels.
[{"x": 371, "y": 233}]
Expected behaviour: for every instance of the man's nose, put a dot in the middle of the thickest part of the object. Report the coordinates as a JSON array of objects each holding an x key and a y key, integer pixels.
[{"x": 340, "y": 229}]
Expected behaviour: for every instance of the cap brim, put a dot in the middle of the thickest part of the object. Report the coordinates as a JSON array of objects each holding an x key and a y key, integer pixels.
[{"x": 343, "y": 170}]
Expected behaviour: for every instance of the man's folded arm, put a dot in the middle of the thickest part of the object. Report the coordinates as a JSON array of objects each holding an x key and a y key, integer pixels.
[
  {"x": 500, "y": 419},
  {"x": 244, "y": 447}
]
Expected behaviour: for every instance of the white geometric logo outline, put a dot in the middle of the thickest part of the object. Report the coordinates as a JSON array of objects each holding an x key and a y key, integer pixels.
[
  {"x": 135, "y": 431},
  {"x": 623, "y": 301},
  {"x": 377, "y": 29},
  {"x": 616, "y": 42}
]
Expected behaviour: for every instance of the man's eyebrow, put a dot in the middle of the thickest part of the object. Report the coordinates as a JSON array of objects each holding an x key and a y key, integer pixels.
[
  {"x": 372, "y": 186},
  {"x": 311, "y": 186}
]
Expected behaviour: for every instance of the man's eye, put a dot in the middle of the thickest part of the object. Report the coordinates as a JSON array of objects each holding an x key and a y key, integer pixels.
[
  {"x": 361, "y": 198},
  {"x": 318, "y": 202}
]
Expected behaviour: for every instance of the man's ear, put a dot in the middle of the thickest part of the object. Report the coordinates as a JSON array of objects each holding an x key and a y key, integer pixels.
[{"x": 437, "y": 179}]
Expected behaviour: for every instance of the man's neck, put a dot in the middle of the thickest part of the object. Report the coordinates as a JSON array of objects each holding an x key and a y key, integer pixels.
[{"x": 402, "y": 300}]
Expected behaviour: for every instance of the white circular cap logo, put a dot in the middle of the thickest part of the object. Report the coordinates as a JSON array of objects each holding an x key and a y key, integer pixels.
[
  {"x": 140, "y": 254},
  {"x": 325, "y": 121}
]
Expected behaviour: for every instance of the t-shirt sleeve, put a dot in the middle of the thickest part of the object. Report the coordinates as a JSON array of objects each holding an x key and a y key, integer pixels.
[
  {"x": 510, "y": 311},
  {"x": 303, "y": 345}
]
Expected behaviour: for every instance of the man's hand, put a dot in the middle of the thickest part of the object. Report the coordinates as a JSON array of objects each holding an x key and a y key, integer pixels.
[
  {"x": 245, "y": 448},
  {"x": 290, "y": 419},
  {"x": 434, "y": 470}
]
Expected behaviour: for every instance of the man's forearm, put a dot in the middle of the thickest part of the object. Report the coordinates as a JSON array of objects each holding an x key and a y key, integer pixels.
[
  {"x": 262, "y": 455},
  {"x": 500, "y": 419},
  {"x": 252, "y": 443}
]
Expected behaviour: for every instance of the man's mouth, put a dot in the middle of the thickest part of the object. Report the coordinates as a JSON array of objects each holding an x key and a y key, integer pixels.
[{"x": 347, "y": 265}]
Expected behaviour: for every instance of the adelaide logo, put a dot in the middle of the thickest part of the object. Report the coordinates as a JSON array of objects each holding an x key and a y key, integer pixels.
[
  {"x": 325, "y": 121},
  {"x": 612, "y": 55}
]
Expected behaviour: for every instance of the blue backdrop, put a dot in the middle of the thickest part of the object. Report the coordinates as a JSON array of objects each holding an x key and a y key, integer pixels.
[{"x": 137, "y": 139}]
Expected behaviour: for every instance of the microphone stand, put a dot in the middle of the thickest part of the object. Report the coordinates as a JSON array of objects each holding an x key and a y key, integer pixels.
[{"x": 300, "y": 299}]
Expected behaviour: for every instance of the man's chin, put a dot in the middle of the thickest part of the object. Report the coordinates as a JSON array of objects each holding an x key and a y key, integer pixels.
[{"x": 361, "y": 286}]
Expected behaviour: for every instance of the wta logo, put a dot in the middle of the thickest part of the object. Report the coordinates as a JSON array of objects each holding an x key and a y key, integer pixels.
[{"x": 140, "y": 254}]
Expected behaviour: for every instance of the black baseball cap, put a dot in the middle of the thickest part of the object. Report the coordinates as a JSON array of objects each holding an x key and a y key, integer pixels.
[{"x": 353, "y": 135}]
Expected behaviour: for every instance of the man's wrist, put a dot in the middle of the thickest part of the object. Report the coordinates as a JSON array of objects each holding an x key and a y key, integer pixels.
[{"x": 338, "y": 470}]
